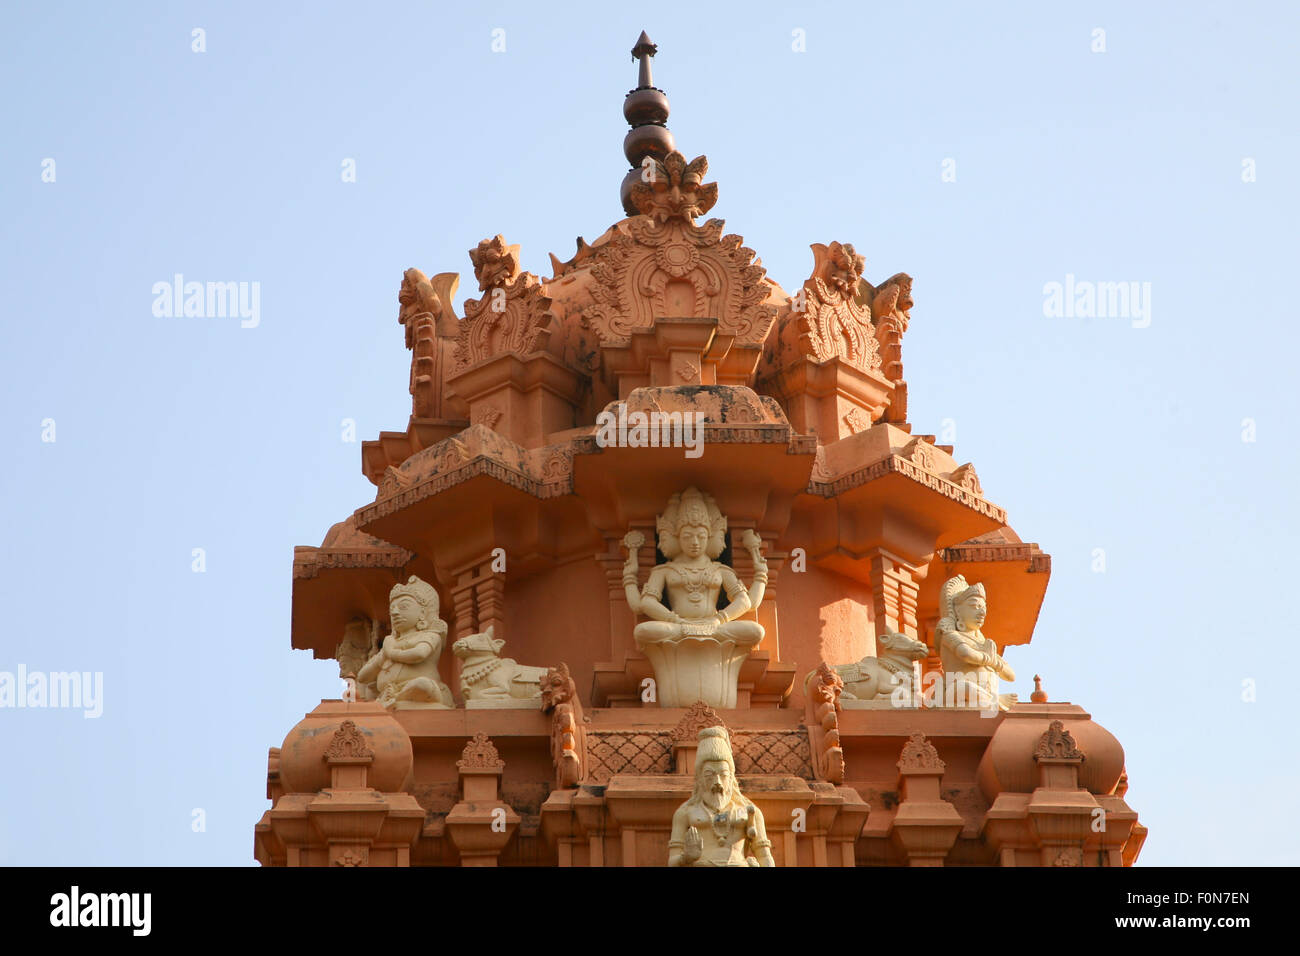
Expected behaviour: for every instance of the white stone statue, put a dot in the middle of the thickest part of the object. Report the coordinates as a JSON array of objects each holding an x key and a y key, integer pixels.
[
  {"x": 889, "y": 678},
  {"x": 718, "y": 825},
  {"x": 405, "y": 670},
  {"x": 696, "y": 650},
  {"x": 489, "y": 680},
  {"x": 971, "y": 664}
]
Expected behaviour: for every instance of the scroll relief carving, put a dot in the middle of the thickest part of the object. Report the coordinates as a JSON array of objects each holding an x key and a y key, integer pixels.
[
  {"x": 833, "y": 323},
  {"x": 568, "y": 726},
  {"x": 431, "y": 328},
  {"x": 512, "y": 316}
]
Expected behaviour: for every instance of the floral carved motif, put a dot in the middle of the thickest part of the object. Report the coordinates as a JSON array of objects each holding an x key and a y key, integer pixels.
[
  {"x": 698, "y": 716},
  {"x": 348, "y": 743},
  {"x": 919, "y": 754},
  {"x": 353, "y": 856},
  {"x": 480, "y": 754},
  {"x": 857, "y": 420},
  {"x": 486, "y": 415},
  {"x": 1057, "y": 744}
]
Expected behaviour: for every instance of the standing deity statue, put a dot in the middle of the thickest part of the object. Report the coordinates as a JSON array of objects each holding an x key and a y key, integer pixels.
[
  {"x": 405, "y": 670},
  {"x": 718, "y": 825},
  {"x": 696, "y": 649},
  {"x": 971, "y": 664}
]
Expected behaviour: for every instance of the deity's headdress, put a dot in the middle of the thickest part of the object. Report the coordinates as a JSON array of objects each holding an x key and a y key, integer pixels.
[
  {"x": 691, "y": 507},
  {"x": 954, "y": 591},
  {"x": 714, "y": 745},
  {"x": 426, "y": 596}
]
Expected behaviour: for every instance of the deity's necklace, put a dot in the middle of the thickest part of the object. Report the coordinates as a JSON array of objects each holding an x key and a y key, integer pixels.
[
  {"x": 695, "y": 580},
  {"x": 724, "y": 818}
]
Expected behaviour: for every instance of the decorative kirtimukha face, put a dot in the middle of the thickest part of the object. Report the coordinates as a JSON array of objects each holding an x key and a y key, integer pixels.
[
  {"x": 717, "y": 781},
  {"x": 693, "y": 539},
  {"x": 971, "y": 613},
  {"x": 406, "y": 614}
]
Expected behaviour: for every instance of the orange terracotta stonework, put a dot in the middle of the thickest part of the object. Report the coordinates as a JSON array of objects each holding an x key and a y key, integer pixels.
[{"x": 654, "y": 494}]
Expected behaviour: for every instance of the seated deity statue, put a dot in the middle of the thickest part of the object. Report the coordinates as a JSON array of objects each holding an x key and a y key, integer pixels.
[
  {"x": 405, "y": 670},
  {"x": 971, "y": 664},
  {"x": 718, "y": 825},
  {"x": 692, "y": 533},
  {"x": 695, "y": 648}
]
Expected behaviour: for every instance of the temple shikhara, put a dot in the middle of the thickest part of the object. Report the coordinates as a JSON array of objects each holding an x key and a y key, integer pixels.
[{"x": 660, "y": 574}]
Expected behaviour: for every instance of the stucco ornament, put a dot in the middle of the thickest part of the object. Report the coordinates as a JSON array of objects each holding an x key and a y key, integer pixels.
[
  {"x": 971, "y": 664},
  {"x": 718, "y": 825},
  {"x": 357, "y": 647},
  {"x": 405, "y": 670},
  {"x": 696, "y": 650}
]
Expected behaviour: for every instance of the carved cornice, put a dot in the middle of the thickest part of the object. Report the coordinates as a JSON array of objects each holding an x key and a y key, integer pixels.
[
  {"x": 1038, "y": 561},
  {"x": 308, "y": 564},
  {"x": 895, "y": 464}
]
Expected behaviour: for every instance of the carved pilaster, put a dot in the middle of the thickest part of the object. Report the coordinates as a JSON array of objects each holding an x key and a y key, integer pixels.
[
  {"x": 481, "y": 824},
  {"x": 926, "y": 826},
  {"x": 894, "y": 591}
]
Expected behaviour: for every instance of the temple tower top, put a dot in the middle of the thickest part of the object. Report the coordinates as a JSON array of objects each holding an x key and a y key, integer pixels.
[{"x": 646, "y": 111}]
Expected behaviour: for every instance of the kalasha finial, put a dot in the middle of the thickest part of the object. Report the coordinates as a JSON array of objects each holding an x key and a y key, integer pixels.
[
  {"x": 1039, "y": 696},
  {"x": 646, "y": 111}
]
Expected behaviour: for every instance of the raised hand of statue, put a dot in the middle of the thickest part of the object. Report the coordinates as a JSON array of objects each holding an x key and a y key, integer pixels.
[
  {"x": 692, "y": 846},
  {"x": 752, "y": 543},
  {"x": 633, "y": 540}
]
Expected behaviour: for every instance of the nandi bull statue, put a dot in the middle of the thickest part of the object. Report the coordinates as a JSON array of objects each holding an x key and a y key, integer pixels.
[
  {"x": 885, "y": 680},
  {"x": 489, "y": 680}
]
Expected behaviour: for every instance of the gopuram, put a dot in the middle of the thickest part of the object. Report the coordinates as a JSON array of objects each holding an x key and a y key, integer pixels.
[{"x": 659, "y": 574}]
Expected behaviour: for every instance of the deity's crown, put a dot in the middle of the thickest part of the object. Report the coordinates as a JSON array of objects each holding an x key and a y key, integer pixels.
[
  {"x": 424, "y": 594},
  {"x": 691, "y": 508}
]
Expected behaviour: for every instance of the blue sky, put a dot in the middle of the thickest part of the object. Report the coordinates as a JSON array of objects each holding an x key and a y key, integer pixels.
[{"x": 225, "y": 165}]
